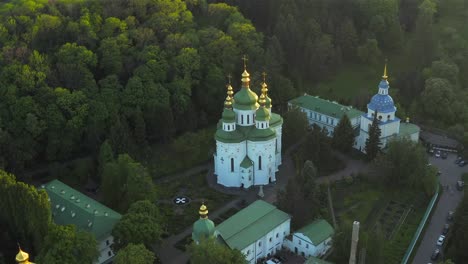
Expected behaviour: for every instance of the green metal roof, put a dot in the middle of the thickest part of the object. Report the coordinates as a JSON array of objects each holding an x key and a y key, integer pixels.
[
  {"x": 243, "y": 133},
  {"x": 229, "y": 116},
  {"x": 250, "y": 224},
  {"x": 70, "y": 206},
  {"x": 314, "y": 260},
  {"x": 245, "y": 99},
  {"x": 407, "y": 129},
  {"x": 325, "y": 107},
  {"x": 246, "y": 162},
  {"x": 317, "y": 231},
  {"x": 275, "y": 120},
  {"x": 262, "y": 114},
  {"x": 202, "y": 229}
]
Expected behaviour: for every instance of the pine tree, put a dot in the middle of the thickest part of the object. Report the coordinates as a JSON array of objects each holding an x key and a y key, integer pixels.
[
  {"x": 343, "y": 136},
  {"x": 373, "y": 141}
]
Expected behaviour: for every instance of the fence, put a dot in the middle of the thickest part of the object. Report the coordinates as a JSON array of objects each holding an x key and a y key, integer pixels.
[{"x": 410, "y": 249}]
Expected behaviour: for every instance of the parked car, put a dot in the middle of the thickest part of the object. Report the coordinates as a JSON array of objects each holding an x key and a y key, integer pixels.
[
  {"x": 446, "y": 229},
  {"x": 431, "y": 151},
  {"x": 441, "y": 240},
  {"x": 437, "y": 154},
  {"x": 444, "y": 155},
  {"x": 273, "y": 261},
  {"x": 462, "y": 163},
  {"x": 458, "y": 160},
  {"x": 450, "y": 215},
  {"x": 435, "y": 254},
  {"x": 460, "y": 185}
]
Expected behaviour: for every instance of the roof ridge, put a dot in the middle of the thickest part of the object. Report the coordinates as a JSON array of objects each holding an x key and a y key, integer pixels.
[{"x": 251, "y": 223}]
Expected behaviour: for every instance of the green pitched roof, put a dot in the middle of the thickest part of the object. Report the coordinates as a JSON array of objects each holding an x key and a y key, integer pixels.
[
  {"x": 325, "y": 107},
  {"x": 314, "y": 260},
  {"x": 70, "y": 206},
  {"x": 244, "y": 133},
  {"x": 317, "y": 231},
  {"x": 407, "y": 129},
  {"x": 246, "y": 162},
  {"x": 250, "y": 224}
]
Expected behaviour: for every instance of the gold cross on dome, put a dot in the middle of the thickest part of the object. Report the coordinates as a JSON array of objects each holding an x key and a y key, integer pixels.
[
  {"x": 264, "y": 76},
  {"x": 244, "y": 58}
]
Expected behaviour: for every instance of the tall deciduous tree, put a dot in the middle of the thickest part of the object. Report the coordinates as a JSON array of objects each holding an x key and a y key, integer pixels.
[
  {"x": 373, "y": 141},
  {"x": 124, "y": 182},
  {"x": 457, "y": 242},
  {"x": 66, "y": 244},
  {"x": 295, "y": 126},
  {"x": 343, "y": 135},
  {"x": 423, "y": 47},
  {"x": 135, "y": 254},
  {"x": 141, "y": 224},
  {"x": 211, "y": 252},
  {"x": 301, "y": 196},
  {"x": 25, "y": 211}
]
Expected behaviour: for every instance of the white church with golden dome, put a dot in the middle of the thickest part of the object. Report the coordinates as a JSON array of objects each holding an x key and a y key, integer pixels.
[{"x": 248, "y": 138}]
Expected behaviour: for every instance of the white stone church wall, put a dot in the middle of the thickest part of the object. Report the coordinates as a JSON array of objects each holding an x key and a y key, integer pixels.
[
  {"x": 265, "y": 150},
  {"x": 225, "y": 152}
]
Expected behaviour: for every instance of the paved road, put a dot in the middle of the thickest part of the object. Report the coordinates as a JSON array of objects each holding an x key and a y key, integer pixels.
[{"x": 447, "y": 202}]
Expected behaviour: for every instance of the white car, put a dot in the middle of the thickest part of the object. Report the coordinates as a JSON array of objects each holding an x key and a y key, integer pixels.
[
  {"x": 441, "y": 240},
  {"x": 437, "y": 155}
]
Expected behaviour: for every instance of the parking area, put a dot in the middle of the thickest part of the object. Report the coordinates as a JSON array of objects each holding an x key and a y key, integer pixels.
[{"x": 448, "y": 201}]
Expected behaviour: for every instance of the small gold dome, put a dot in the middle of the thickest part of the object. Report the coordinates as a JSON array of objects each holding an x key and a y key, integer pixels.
[
  {"x": 203, "y": 211},
  {"x": 22, "y": 256}
]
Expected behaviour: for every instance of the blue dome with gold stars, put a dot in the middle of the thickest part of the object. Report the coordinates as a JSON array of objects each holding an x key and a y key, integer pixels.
[{"x": 382, "y": 102}]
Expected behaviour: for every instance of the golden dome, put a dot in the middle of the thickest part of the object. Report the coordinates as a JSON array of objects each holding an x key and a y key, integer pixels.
[
  {"x": 22, "y": 256},
  {"x": 203, "y": 211},
  {"x": 262, "y": 101},
  {"x": 245, "y": 79}
]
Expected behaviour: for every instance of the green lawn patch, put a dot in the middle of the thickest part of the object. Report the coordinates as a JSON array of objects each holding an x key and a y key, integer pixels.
[{"x": 196, "y": 188}]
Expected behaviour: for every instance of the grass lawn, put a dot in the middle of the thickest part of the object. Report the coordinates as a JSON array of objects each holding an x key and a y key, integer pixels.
[
  {"x": 397, "y": 214},
  {"x": 196, "y": 188}
]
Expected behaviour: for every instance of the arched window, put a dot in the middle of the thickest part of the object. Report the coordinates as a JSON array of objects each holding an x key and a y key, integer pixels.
[
  {"x": 388, "y": 117},
  {"x": 380, "y": 117},
  {"x": 232, "y": 164},
  {"x": 248, "y": 119},
  {"x": 242, "y": 119},
  {"x": 259, "y": 162}
]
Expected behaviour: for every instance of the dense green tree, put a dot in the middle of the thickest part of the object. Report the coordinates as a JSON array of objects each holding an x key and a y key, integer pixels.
[
  {"x": 147, "y": 231},
  {"x": 342, "y": 243},
  {"x": 134, "y": 253},
  {"x": 373, "y": 143},
  {"x": 369, "y": 52},
  {"x": 211, "y": 252},
  {"x": 317, "y": 148},
  {"x": 106, "y": 154},
  {"x": 405, "y": 165},
  {"x": 301, "y": 196},
  {"x": 343, "y": 135},
  {"x": 295, "y": 126},
  {"x": 25, "y": 212},
  {"x": 66, "y": 244},
  {"x": 423, "y": 46},
  {"x": 124, "y": 182},
  {"x": 437, "y": 99}
]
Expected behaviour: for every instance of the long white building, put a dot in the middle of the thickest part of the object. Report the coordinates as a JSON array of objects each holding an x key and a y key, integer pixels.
[{"x": 327, "y": 114}]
